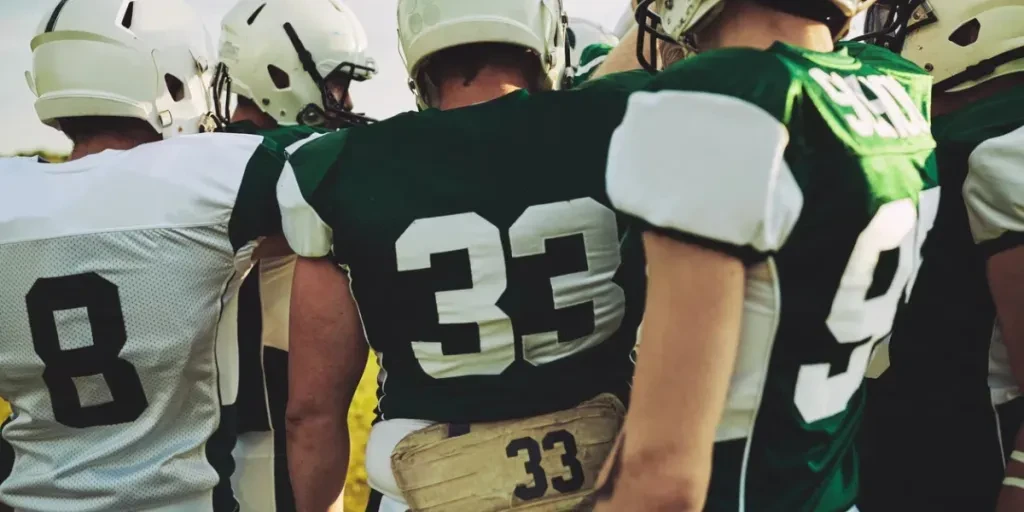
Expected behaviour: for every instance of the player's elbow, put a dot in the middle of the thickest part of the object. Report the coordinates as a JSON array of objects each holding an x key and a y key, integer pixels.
[
  {"x": 672, "y": 480},
  {"x": 306, "y": 417}
]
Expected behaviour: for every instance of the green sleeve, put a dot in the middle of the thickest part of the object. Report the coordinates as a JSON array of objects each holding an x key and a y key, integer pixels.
[
  {"x": 303, "y": 205},
  {"x": 255, "y": 213}
]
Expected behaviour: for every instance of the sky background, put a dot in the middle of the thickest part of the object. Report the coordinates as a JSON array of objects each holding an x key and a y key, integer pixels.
[{"x": 381, "y": 97}]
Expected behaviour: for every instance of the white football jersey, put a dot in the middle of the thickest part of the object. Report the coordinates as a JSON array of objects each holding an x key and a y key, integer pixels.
[{"x": 117, "y": 329}]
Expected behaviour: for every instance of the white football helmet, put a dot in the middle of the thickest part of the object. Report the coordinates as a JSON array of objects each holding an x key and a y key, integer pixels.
[
  {"x": 280, "y": 53},
  {"x": 141, "y": 59},
  {"x": 583, "y": 33},
  {"x": 426, "y": 27},
  {"x": 675, "y": 21},
  {"x": 963, "y": 43}
]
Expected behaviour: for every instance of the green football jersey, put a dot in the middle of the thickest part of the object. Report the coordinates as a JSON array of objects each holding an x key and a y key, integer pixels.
[
  {"x": 943, "y": 339},
  {"x": 817, "y": 170},
  {"x": 493, "y": 277},
  {"x": 937, "y": 385}
]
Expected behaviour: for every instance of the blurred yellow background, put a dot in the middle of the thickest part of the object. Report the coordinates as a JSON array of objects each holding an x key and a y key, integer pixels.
[{"x": 359, "y": 417}]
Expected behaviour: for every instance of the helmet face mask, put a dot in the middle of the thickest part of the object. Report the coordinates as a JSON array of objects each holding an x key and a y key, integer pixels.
[
  {"x": 334, "y": 111},
  {"x": 292, "y": 59},
  {"x": 649, "y": 33},
  {"x": 889, "y": 22}
]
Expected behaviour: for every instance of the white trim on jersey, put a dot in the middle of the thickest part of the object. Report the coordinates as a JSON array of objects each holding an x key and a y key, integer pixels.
[
  {"x": 384, "y": 437},
  {"x": 676, "y": 161},
  {"x": 994, "y": 189},
  {"x": 307, "y": 233}
]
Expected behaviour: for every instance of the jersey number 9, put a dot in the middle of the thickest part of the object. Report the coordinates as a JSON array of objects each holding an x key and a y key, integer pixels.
[{"x": 861, "y": 313}]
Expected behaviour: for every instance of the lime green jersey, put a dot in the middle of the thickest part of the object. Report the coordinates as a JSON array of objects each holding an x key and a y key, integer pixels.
[
  {"x": 817, "y": 170},
  {"x": 493, "y": 277}
]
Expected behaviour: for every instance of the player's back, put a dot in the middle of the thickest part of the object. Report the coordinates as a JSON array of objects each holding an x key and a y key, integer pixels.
[
  {"x": 117, "y": 272},
  {"x": 484, "y": 254},
  {"x": 856, "y": 153},
  {"x": 939, "y": 355}
]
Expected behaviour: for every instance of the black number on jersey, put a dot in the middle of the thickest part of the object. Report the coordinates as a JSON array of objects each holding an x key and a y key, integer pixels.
[
  {"x": 534, "y": 456},
  {"x": 102, "y": 303}
]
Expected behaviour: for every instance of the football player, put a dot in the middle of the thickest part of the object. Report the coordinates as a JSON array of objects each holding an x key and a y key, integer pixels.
[
  {"x": 498, "y": 288},
  {"x": 935, "y": 390},
  {"x": 291, "y": 63},
  {"x": 119, "y": 267},
  {"x": 787, "y": 184}
]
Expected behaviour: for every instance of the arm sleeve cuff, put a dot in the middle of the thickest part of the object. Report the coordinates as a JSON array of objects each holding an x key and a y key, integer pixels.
[{"x": 673, "y": 163}]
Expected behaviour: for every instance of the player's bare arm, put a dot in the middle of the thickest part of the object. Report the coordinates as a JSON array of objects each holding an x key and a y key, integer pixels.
[
  {"x": 327, "y": 357},
  {"x": 624, "y": 56},
  {"x": 690, "y": 337},
  {"x": 1006, "y": 281}
]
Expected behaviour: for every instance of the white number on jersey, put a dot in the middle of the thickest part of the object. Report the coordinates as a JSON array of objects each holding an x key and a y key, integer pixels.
[
  {"x": 892, "y": 114},
  {"x": 856, "y": 319},
  {"x": 528, "y": 236}
]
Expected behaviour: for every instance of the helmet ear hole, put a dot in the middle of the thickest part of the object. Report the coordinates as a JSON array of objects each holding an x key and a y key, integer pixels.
[
  {"x": 967, "y": 34},
  {"x": 175, "y": 86},
  {"x": 279, "y": 77},
  {"x": 129, "y": 13}
]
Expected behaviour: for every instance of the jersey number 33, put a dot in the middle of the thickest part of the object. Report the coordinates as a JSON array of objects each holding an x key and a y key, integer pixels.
[{"x": 528, "y": 236}]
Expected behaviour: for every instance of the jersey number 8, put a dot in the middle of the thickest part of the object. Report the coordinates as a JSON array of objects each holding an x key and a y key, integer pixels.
[
  {"x": 102, "y": 303},
  {"x": 528, "y": 236}
]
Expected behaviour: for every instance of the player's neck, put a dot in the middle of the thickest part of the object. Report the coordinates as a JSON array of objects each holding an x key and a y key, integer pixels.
[
  {"x": 252, "y": 114},
  {"x": 491, "y": 83},
  {"x": 752, "y": 25},
  {"x": 947, "y": 102},
  {"x": 101, "y": 142}
]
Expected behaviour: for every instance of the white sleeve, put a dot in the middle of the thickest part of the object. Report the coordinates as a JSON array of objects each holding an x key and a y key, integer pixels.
[
  {"x": 994, "y": 189},
  {"x": 307, "y": 234},
  {"x": 705, "y": 165}
]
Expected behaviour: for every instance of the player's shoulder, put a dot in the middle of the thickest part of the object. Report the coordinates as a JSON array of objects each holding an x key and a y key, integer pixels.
[
  {"x": 621, "y": 82},
  {"x": 759, "y": 77}
]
